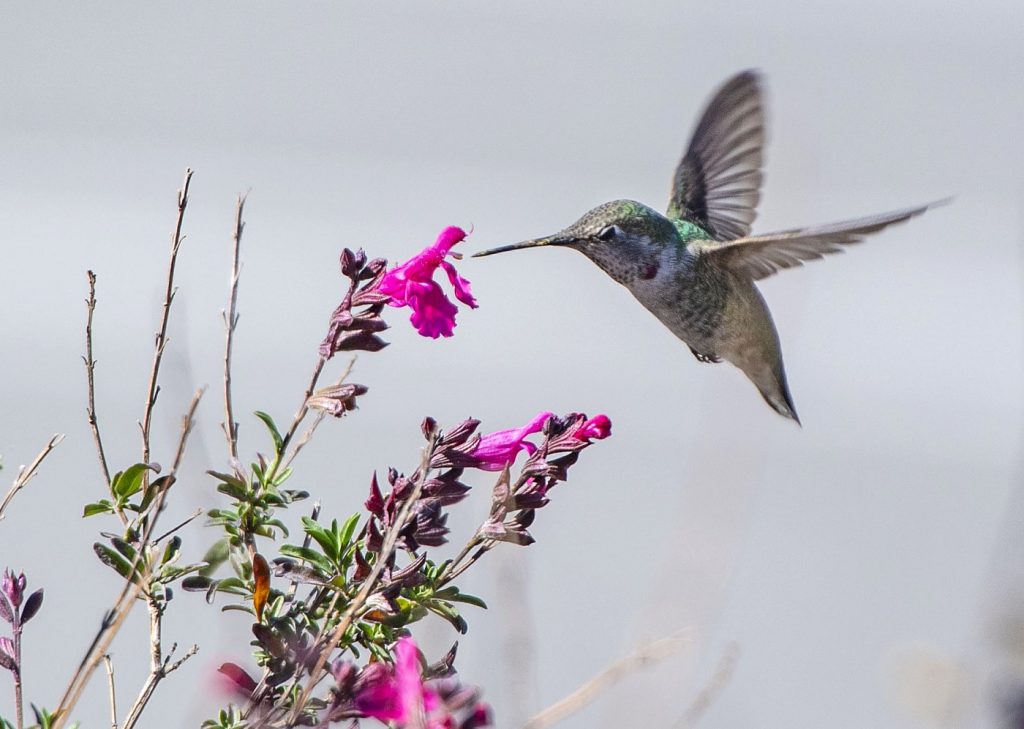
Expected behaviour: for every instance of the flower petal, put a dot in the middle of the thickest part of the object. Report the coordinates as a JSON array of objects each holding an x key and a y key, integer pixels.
[
  {"x": 433, "y": 313},
  {"x": 447, "y": 240},
  {"x": 462, "y": 291},
  {"x": 496, "y": 450}
]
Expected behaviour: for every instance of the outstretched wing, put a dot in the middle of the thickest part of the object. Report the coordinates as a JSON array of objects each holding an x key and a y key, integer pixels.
[
  {"x": 760, "y": 256},
  {"x": 718, "y": 181}
]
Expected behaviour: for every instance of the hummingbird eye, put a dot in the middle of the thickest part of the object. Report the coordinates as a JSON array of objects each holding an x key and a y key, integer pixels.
[{"x": 608, "y": 233}]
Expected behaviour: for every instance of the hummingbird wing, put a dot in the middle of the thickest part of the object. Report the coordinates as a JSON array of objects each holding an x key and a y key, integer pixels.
[
  {"x": 717, "y": 183},
  {"x": 760, "y": 256}
]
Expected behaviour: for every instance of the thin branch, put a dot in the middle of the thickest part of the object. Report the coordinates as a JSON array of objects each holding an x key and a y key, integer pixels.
[
  {"x": 183, "y": 523},
  {"x": 115, "y": 617},
  {"x": 26, "y": 473},
  {"x": 712, "y": 690},
  {"x": 230, "y": 322},
  {"x": 593, "y": 688},
  {"x": 113, "y": 699},
  {"x": 357, "y": 604},
  {"x": 90, "y": 367},
  {"x": 161, "y": 336}
]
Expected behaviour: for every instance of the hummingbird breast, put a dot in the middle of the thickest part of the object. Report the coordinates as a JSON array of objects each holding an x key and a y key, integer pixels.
[{"x": 688, "y": 295}]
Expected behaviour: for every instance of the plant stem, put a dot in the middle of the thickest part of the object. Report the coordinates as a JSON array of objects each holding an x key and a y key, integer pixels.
[
  {"x": 18, "y": 706},
  {"x": 230, "y": 322},
  {"x": 161, "y": 336},
  {"x": 90, "y": 367}
]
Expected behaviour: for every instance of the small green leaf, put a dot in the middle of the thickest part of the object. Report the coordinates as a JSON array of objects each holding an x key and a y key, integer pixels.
[
  {"x": 171, "y": 550},
  {"x": 155, "y": 487},
  {"x": 307, "y": 555},
  {"x": 274, "y": 432},
  {"x": 112, "y": 559},
  {"x": 129, "y": 482},
  {"x": 215, "y": 556},
  {"x": 347, "y": 530},
  {"x": 98, "y": 507},
  {"x": 449, "y": 613},
  {"x": 196, "y": 583}
]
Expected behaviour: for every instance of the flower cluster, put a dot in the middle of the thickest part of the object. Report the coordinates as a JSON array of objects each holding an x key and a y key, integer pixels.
[
  {"x": 412, "y": 284},
  {"x": 399, "y": 694},
  {"x": 16, "y": 610},
  {"x": 348, "y": 331},
  {"x": 513, "y": 505}
]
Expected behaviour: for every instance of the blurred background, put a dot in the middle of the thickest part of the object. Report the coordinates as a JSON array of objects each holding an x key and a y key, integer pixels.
[{"x": 868, "y": 566}]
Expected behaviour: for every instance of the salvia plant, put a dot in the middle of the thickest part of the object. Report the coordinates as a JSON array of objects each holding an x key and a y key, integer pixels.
[{"x": 334, "y": 609}]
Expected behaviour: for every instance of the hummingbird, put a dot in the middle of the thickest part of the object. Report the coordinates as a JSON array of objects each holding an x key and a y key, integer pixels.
[{"x": 695, "y": 267}]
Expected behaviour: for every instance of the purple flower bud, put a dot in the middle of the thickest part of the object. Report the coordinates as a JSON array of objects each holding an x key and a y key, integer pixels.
[
  {"x": 352, "y": 263},
  {"x": 13, "y": 587}
]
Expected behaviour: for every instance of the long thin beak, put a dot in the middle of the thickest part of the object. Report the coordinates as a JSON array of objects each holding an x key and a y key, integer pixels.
[{"x": 551, "y": 240}]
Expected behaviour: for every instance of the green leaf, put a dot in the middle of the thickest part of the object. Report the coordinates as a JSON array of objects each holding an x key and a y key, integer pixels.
[
  {"x": 321, "y": 536},
  {"x": 307, "y": 555},
  {"x": 155, "y": 487},
  {"x": 449, "y": 613},
  {"x": 98, "y": 507},
  {"x": 171, "y": 550},
  {"x": 452, "y": 594},
  {"x": 215, "y": 556},
  {"x": 277, "y": 524},
  {"x": 347, "y": 530},
  {"x": 129, "y": 482},
  {"x": 274, "y": 432},
  {"x": 112, "y": 559},
  {"x": 196, "y": 583},
  {"x": 126, "y": 550}
]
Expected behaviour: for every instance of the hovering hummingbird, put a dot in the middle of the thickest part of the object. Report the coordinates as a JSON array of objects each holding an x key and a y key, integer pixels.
[{"x": 695, "y": 267}]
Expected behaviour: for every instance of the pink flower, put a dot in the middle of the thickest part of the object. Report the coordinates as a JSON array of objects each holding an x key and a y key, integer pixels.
[
  {"x": 598, "y": 427},
  {"x": 412, "y": 284},
  {"x": 497, "y": 450},
  {"x": 400, "y": 696}
]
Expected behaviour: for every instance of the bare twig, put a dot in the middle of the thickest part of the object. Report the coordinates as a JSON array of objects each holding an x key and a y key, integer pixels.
[
  {"x": 160, "y": 666},
  {"x": 161, "y": 335},
  {"x": 113, "y": 699},
  {"x": 114, "y": 618},
  {"x": 304, "y": 408},
  {"x": 230, "y": 322},
  {"x": 90, "y": 367},
  {"x": 712, "y": 690},
  {"x": 25, "y": 473},
  {"x": 593, "y": 688},
  {"x": 183, "y": 523},
  {"x": 357, "y": 604}
]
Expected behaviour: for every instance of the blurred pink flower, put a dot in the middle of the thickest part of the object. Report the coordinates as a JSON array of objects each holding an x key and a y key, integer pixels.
[
  {"x": 598, "y": 427},
  {"x": 497, "y": 450},
  {"x": 412, "y": 284}
]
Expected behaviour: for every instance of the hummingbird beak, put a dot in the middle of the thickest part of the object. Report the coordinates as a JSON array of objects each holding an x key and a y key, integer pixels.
[{"x": 551, "y": 240}]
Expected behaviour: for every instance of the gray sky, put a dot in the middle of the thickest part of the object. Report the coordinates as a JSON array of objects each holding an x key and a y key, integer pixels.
[{"x": 850, "y": 560}]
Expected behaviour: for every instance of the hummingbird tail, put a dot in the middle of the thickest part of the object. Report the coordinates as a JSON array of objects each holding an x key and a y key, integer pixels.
[{"x": 780, "y": 400}]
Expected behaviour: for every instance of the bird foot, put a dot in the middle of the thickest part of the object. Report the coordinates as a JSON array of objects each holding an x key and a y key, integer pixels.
[{"x": 707, "y": 358}]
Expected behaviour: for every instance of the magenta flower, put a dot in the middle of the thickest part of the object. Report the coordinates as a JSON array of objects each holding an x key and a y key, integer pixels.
[
  {"x": 497, "y": 450},
  {"x": 399, "y": 696},
  {"x": 412, "y": 284},
  {"x": 598, "y": 427}
]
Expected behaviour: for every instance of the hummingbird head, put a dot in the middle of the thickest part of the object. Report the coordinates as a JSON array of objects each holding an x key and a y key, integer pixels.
[{"x": 623, "y": 237}]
